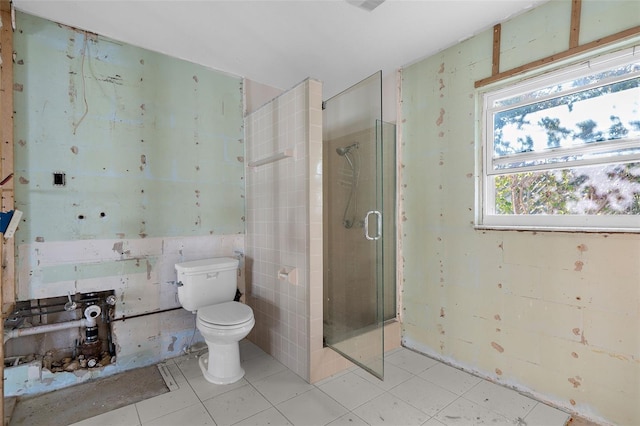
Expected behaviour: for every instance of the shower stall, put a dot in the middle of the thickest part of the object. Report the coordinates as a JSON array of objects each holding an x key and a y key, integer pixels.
[{"x": 359, "y": 170}]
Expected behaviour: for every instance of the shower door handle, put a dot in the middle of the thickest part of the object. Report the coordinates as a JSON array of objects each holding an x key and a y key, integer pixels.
[{"x": 379, "y": 227}]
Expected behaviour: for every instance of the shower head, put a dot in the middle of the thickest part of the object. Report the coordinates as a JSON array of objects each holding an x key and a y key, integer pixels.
[{"x": 343, "y": 150}]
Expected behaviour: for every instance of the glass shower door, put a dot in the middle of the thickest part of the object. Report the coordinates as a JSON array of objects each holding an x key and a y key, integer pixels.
[{"x": 353, "y": 219}]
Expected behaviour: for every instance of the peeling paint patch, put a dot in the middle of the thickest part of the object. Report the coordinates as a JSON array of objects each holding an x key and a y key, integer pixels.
[
  {"x": 440, "y": 119},
  {"x": 441, "y": 312},
  {"x": 39, "y": 239},
  {"x": 149, "y": 269},
  {"x": 576, "y": 331},
  {"x": 118, "y": 247},
  {"x": 21, "y": 142},
  {"x": 23, "y": 181},
  {"x": 497, "y": 317},
  {"x": 74, "y": 149},
  {"x": 497, "y": 347},
  {"x": 18, "y": 87},
  {"x": 498, "y": 372},
  {"x": 195, "y": 78},
  {"x": 575, "y": 381},
  {"x": 171, "y": 345},
  {"x": 573, "y": 354},
  {"x": 578, "y": 265}
]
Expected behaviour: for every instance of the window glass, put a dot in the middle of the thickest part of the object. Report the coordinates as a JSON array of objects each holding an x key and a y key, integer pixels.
[{"x": 565, "y": 144}]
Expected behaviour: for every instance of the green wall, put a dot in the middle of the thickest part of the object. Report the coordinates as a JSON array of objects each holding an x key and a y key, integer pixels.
[
  {"x": 151, "y": 146},
  {"x": 555, "y": 315}
]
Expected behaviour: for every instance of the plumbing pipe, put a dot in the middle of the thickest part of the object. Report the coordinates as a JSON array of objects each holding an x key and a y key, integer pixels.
[
  {"x": 39, "y": 329},
  {"x": 91, "y": 313}
]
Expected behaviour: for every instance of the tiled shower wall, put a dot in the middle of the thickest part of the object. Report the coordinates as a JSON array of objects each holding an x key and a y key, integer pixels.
[{"x": 284, "y": 225}]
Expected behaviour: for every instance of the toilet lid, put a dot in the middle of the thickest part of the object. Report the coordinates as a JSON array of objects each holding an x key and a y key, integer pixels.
[{"x": 228, "y": 313}]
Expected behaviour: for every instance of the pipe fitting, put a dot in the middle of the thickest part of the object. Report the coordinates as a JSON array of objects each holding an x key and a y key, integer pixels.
[{"x": 91, "y": 313}]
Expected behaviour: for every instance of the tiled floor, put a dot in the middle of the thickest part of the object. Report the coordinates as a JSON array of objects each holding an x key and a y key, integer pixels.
[{"x": 417, "y": 390}]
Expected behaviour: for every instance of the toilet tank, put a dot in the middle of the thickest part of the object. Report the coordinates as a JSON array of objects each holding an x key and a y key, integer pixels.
[{"x": 206, "y": 282}]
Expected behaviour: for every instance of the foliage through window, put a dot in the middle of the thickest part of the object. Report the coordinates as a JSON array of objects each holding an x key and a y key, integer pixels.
[{"x": 563, "y": 150}]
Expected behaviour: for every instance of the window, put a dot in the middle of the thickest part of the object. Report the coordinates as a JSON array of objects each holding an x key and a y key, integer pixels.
[{"x": 562, "y": 150}]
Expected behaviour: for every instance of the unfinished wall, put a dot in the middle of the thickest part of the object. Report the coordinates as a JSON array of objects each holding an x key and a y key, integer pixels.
[
  {"x": 553, "y": 314},
  {"x": 153, "y": 156}
]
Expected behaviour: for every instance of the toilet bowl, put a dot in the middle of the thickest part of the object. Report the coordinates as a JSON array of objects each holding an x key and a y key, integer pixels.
[
  {"x": 223, "y": 326},
  {"x": 207, "y": 287}
]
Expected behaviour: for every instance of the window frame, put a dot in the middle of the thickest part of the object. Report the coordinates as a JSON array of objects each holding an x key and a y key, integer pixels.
[{"x": 485, "y": 217}]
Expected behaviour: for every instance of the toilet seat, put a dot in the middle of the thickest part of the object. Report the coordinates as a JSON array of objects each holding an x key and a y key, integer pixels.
[{"x": 226, "y": 315}]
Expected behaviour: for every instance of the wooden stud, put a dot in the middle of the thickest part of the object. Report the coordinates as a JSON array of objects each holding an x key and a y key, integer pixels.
[
  {"x": 6, "y": 147},
  {"x": 574, "y": 36},
  {"x": 7, "y": 286},
  {"x": 631, "y": 32},
  {"x": 495, "y": 63}
]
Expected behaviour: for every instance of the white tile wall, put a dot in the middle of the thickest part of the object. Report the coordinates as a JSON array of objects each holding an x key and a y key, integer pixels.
[{"x": 284, "y": 223}]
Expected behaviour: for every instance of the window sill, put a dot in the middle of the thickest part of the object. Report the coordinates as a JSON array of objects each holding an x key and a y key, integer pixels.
[{"x": 566, "y": 229}]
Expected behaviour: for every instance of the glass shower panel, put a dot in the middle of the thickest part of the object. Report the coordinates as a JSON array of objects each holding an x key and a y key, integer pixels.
[{"x": 353, "y": 224}]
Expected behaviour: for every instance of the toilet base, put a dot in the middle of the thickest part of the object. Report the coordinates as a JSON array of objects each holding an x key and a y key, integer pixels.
[{"x": 211, "y": 377}]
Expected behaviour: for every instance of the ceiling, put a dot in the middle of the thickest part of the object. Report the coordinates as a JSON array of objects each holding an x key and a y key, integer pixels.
[{"x": 280, "y": 43}]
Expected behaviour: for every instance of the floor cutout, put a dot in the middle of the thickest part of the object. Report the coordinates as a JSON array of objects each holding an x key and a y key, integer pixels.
[{"x": 79, "y": 402}]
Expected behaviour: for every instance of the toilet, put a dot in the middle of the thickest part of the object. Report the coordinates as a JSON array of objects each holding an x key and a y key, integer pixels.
[{"x": 207, "y": 287}]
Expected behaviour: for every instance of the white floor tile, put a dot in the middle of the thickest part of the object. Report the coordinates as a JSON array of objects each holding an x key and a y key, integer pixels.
[
  {"x": 425, "y": 396},
  {"x": 195, "y": 415},
  {"x": 207, "y": 390},
  {"x": 270, "y": 416},
  {"x": 236, "y": 405},
  {"x": 433, "y": 422},
  {"x": 452, "y": 379},
  {"x": 500, "y": 399},
  {"x": 388, "y": 409},
  {"x": 393, "y": 376},
  {"x": 543, "y": 415},
  {"x": 349, "y": 419},
  {"x": 282, "y": 386},
  {"x": 311, "y": 408},
  {"x": 178, "y": 378},
  {"x": 351, "y": 390},
  {"x": 259, "y": 367},
  {"x": 166, "y": 403},
  {"x": 411, "y": 361},
  {"x": 125, "y": 416},
  {"x": 249, "y": 350},
  {"x": 189, "y": 366},
  {"x": 415, "y": 388},
  {"x": 463, "y": 412}
]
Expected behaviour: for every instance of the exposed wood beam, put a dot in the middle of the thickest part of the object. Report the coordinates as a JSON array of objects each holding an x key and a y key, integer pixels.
[
  {"x": 495, "y": 63},
  {"x": 631, "y": 32},
  {"x": 574, "y": 36},
  {"x": 6, "y": 167}
]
